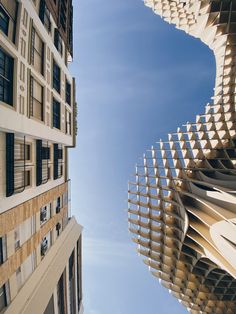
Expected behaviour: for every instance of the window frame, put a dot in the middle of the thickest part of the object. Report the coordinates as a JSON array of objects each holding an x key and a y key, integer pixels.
[
  {"x": 56, "y": 77},
  {"x": 6, "y": 77},
  {"x": 34, "y": 99},
  {"x": 58, "y": 43},
  {"x": 34, "y": 50},
  {"x": 44, "y": 15},
  {"x": 56, "y": 115},
  {"x": 68, "y": 93},
  {"x": 6, "y": 15}
]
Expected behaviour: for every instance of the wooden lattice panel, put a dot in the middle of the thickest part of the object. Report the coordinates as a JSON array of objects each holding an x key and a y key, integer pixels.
[{"x": 182, "y": 200}]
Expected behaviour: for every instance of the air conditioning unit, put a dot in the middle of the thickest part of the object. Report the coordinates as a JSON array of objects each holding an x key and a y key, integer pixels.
[
  {"x": 44, "y": 246},
  {"x": 58, "y": 226},
  {"x": 43, "y": 214}
]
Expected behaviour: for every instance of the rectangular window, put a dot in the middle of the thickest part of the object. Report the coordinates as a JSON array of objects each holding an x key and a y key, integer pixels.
[
  {"x": 37, "y": 52},
  {"x": 72, "y": 283},
  {"x": 58, "y": 206},
  {"x": 22, "y": 180},
  {"x": 44, "y": 15},
  {"x": 61, "y": 294},
  {"x": 68, "y": 92},
  {"x": 27, "y": 178},
  {"x": 1, "y": 251},
  {"x": 50, "y": 307},
  {"x": 18, "y": 278},
  {"x": 44, "y": 246},
  {"x": 22, "y": 151},
  {"x": 79, "y": 273},
  {"x": 3, "y": 298},
  {"x": 17, "y": 237},
  {"x": 58, "y": 41},
  {"x": 8, "y": 17},
  {"x": 6, "y": 78},
  {"x": 56, "y": 77},
  {"x": 3, "y": 246},
  {"x": 4, "y": 21},
  {"x": 56, "y": 114},
  {"x": 36, "y": 100},
  {"x": 63, "y": 13},
  {"x": 68, "y": 122}
]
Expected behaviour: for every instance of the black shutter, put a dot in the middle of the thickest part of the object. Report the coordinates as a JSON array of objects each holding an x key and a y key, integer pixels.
[
  {"x": 39, "y": 163},
  {"x": 9, "y": 164},
  {"x": 55, "y": 161}
]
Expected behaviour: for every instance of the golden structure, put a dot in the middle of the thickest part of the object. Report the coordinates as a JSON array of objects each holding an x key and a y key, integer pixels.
[{"x": 182, "y": 203}]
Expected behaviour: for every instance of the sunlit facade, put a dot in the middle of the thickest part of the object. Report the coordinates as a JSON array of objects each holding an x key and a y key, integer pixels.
[
  {"x": 182, "y": 201},
  {"x": 40, "y": 244}
]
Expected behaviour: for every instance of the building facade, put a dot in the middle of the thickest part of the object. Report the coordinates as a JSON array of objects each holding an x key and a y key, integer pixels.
[
  {"x": 40, "y": 244},
  {"x": 182, "y": 201}
]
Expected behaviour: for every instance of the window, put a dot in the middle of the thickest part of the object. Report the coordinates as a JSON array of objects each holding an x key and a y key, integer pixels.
[
  {"x": 72, "y": 283},
  {"x": 3, "y": 249},
  {"x": 44, "y": 246},
  {"x": 18, "y": 278},
  {"x": 27, "y": 178},
  {"x": 50, "y": 307},
  {"x": 37, "y": 52},
  {"x": 56, "y": 77},
  {"x": 68, "y": 122},
  {"x": 68, "y": 92},
  {"x": 36, "y": 100},
  {"x": 3, "y": 299},
  {"x": 58, "y": 41},
  {"x": 61, "y": 298},
  {"x": 21, "y": 179},
  {"x": 8, "y": 17},
  {"x": 17, "y": 237},
  {"x": 6, "y": 78},
  {"x": 58, "y": 228},
  {"x": 58, "y": 206},
  {"x": 63, "y": 10},
  {"x": 43, "y": 214},
  {"x": 22, "y": 151},
  {"x": 56, "y": 114},
  {"x": 4, "y": 21},
  {"x": 44, "y": 15}
]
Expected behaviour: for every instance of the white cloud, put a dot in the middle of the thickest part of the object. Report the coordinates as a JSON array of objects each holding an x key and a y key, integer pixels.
[{"x": 105, "y": 252}]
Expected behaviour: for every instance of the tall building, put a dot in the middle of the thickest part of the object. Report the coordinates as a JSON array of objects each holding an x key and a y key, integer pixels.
[
  {"x": 182, "y": 201},
  {"x": 40, "y": 243}
]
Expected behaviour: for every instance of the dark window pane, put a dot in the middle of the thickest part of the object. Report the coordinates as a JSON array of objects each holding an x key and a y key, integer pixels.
[
  {"x": 56, "y": 114},
  {"x": 4, "y": 21},
  {"x": 44, "y": 15},
  {"x": 68, "y": 92},
  {"x": 6, "y": 77},
  {"x": 3, "y": 301},
  {"x": 58, "y": 41},
  {"x": 56, "y": 77}
]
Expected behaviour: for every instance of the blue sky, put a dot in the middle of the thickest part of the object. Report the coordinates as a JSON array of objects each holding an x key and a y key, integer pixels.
[{"x": 138, "y": 78}]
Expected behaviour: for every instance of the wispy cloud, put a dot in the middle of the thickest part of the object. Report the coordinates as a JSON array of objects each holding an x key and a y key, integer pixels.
[{"x": 106, "y": 253}]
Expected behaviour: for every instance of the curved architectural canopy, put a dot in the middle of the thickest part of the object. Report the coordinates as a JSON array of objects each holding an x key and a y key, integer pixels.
[{"x": 182, "y": 199}]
